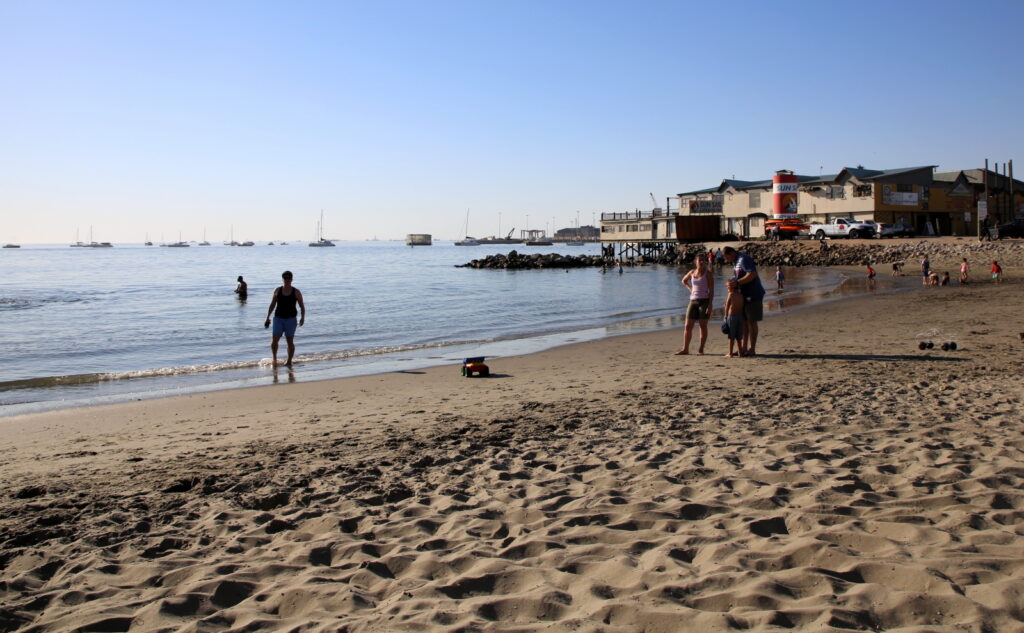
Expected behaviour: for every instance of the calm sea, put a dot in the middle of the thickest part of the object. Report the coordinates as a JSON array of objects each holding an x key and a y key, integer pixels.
[{"x": 93, "y": 325}]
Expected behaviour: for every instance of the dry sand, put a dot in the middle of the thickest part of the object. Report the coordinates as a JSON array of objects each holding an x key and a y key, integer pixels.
[{"x": 844, "y": 480}]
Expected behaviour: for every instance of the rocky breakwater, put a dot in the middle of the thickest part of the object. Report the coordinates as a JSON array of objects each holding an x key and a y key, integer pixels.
[
  {"x": 855, "y": 253},
  {"x": 518, "y": 261}
]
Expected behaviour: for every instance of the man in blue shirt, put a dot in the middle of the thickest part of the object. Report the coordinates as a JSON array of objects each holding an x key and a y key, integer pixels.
[{"x": 745, "y": 274}]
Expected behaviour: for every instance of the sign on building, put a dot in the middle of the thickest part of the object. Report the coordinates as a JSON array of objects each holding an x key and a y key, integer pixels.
[
  {"x": 900, "y": 198},
  {"x": 706, "y": 206}
]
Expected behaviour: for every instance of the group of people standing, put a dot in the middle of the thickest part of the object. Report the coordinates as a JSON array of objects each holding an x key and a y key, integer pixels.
[{"x": 744, "y": 303}]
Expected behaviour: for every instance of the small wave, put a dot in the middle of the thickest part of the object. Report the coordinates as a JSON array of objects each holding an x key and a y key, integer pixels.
[
  {"x": 28, "y": 303},
  {"x": 12, "y": 303},
  {"x": 182, "y": 370}
]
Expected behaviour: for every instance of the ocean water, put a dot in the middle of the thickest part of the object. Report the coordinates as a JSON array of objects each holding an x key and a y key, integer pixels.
[{"x": 86, "y": 326}]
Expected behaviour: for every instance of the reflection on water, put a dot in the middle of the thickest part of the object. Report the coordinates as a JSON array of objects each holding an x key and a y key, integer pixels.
[{"x": 277, "y": 374}]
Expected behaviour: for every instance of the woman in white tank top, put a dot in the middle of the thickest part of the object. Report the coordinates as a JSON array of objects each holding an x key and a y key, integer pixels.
[{"x": 701, "y": 285}]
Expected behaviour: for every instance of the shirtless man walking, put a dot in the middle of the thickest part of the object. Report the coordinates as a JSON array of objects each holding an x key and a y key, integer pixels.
[{"x": 285, "y": 299}]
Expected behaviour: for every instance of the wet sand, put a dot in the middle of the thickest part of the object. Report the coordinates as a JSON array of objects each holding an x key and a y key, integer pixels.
[{"x": 842, "y": 480}]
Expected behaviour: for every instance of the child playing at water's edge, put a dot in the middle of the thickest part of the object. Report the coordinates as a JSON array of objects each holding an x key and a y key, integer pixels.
[
  {"x": 997, "y": 272},
  {"x": 780, "y": 278},
  {"x": 734, "y": 318}
]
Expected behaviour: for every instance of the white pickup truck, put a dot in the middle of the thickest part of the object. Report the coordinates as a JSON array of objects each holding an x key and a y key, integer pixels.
[{"x": 842, "y": 227}]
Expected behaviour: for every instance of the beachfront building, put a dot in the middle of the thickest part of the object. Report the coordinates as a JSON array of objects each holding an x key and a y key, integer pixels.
[
  {"x": 934, "y": 203},
  {"x": 961, "y": 192}
]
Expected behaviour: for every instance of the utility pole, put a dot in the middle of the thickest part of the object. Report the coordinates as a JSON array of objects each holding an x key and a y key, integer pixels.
[
  {"x": 1004, "y": 207},
  {"x": 1013, "y": 203},
  {"x": 985, "y": 176}
]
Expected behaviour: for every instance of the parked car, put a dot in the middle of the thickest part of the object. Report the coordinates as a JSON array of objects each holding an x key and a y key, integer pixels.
[
  {"x": 895, "y": 230},
  {"x": 842, "y": 227},
  {"x": 1013, "y": 228}
]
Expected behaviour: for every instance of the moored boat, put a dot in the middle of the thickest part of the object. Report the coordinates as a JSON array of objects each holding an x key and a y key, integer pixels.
[
  {"x": 467, "y": 241},
  {"x": 321, "y": 242}
]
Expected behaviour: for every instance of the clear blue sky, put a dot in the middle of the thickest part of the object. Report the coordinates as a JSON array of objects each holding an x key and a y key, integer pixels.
[{"x": 396, "y": 117}]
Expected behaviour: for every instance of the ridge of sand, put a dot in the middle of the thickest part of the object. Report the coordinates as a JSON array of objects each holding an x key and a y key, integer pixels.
[{"x": 609, "y": 486}]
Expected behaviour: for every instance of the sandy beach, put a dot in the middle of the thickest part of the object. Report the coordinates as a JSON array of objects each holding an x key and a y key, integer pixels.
[{"x": 844, "y": 480}]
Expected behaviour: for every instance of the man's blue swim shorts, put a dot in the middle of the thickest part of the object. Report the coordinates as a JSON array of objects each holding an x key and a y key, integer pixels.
[{"x": 285, "y": 326}]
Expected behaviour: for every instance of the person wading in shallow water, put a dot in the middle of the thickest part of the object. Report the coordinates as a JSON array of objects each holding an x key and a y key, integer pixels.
[
  {"x": 285, "y": 299},
  {"x": 242, "y": 289}
]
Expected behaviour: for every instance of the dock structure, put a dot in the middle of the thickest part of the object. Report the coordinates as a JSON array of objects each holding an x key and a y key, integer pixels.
[
  {"x": 632, "y": 235},
  {"x": 418, "y": 239}
]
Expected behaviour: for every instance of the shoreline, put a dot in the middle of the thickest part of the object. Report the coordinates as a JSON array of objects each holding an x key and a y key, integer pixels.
[
  {"x": 848, "y": 285},
  {"x": 607, "y": 485},
  {"x": 160, "y": 368}
]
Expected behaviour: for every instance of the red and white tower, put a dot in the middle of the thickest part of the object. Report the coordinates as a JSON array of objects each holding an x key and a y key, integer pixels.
[{"x": 784, "y": 195}]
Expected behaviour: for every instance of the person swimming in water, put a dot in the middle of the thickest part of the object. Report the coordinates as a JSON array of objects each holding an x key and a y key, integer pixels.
[{"x": 242, "y": 289}]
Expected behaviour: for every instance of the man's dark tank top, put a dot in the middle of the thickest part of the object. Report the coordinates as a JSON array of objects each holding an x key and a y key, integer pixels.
[{"x": 285, "y": 304}]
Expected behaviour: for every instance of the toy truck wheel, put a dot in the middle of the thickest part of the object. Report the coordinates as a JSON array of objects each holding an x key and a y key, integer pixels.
[
  {"x": 820, "y": 234},
  {"x": 485, "y": 372}
]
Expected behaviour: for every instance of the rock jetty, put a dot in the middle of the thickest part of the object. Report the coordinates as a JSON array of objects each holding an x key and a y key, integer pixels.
[
  {"x": 798, "y": 253},
  {"x": 856, "y": 253},
  {"x": 516, "y": 261}
]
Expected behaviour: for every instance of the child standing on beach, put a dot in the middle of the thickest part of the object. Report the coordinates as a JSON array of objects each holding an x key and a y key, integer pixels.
[
  {"x": 780, "y": 279},
  {"x": 734, "y": 318},
  {"x": 997, "y": 272},
  {"x": 871, "y": 273},
  {"x": 963, "y": 271},
  {"x": 945, "y": 279}
]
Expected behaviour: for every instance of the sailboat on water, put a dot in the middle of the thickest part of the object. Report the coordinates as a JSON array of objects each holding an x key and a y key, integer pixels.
[
  {"x": 91, "y": 243},
  {"x": 321, "y": 242},
  {"x": 467, "y": 241},
  {"x": 178, "y": 244},
  {"x": 231, "y": 238},
  {"x": 204, "y": 242}
]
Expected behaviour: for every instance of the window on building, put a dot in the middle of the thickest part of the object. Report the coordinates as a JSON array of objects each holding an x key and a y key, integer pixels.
[
  {"x": 862, "y": 191},
  {"x": 904, "y": 188},
  {"x": 754, "y": 200},
  {"x": 836, "y": 192},
  {"x": 924, "y": 193}
]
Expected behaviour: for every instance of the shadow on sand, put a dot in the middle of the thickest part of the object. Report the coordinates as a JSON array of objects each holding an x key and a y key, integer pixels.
[{"x": 862, "y": 357}]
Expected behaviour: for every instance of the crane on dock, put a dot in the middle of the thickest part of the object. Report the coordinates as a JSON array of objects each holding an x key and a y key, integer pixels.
[{"x": 656, "y": 210}]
